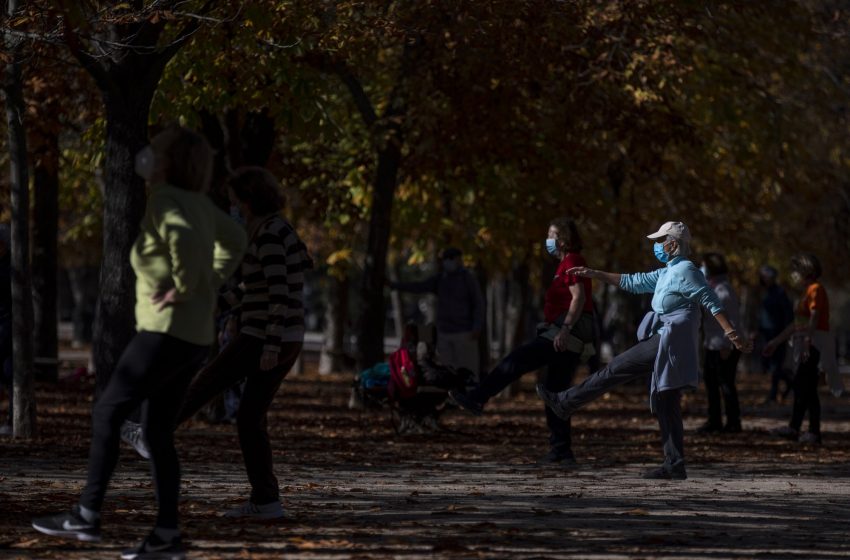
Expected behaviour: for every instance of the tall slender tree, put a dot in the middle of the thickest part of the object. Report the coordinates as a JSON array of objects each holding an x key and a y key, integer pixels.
[{"x": 22, "y": 316}]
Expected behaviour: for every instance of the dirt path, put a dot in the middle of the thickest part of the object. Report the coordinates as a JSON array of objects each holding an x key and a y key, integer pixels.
[{"x": 354, "y": 489}]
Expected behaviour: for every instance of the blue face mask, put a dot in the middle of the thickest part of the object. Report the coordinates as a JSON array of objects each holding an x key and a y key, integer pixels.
[
  {"x": 658, "y": 249},
  {"x": 236, "y": 215},
  {"x": 552, "y": 247}
]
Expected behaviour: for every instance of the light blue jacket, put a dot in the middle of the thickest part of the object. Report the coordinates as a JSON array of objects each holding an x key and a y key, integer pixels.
[{"x": 678, "y": 290}]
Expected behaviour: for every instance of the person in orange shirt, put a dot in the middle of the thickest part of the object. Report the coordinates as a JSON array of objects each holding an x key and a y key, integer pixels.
[{"x": 813, "y": 349}]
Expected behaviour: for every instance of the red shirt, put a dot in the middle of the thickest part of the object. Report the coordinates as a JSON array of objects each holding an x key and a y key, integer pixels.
[
  {"x": 814, "y": 300},
  {"x": 558, "y": 296}
]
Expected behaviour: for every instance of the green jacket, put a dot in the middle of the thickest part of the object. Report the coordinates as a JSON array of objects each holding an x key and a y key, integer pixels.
[{"x": 187, "y": 243}]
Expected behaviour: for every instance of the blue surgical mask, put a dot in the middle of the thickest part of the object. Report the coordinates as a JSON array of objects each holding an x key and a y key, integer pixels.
[
  {"x": 552, "y": 247},
  {"x": 236, "y": 215},
  {"x": 658, "y": 249}
]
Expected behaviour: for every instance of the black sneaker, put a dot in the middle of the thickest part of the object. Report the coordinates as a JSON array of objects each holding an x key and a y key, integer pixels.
[
  {"x": 554, "y": 403},
  {"x": 710, "y": 428},
  {"x": 154, "y": 547},
  {"x": 131, "y": 433},
  {"x": 664, "y": 472},
  {"x": 463, "y": 401},
  {"x": 70, "y": 525},
  {"x": 559, "y": 458}
]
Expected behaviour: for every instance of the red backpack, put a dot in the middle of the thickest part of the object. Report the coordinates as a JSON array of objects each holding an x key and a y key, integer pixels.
[{"x": 403, "y": 382}]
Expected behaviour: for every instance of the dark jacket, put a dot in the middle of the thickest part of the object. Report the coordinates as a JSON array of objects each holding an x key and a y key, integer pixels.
[{"x": 460, "y": 303}]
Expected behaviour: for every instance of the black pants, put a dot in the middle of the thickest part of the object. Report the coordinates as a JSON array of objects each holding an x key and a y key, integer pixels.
[
  {"x": 719, "y": 375},
  {"x": 636, "y": 363},
  {"x": 806, "y": 397},
  {"x": 531, "y": 356},
  {"x": 241, "y": 360},
  {"x": 154, "y": 371},
  {"x": 775, "y": 366}
]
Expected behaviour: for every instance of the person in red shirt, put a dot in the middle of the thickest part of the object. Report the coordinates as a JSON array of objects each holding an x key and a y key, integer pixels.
[
  {"x": 813, "y": 350},
  {"x": 568, "y": 311}
]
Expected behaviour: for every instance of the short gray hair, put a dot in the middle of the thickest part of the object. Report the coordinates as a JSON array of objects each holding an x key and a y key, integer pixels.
[{"x": 683, "y": 247}]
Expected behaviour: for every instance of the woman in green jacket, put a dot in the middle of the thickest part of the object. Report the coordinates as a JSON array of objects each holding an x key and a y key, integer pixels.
[{"x": 185, "y": 250}]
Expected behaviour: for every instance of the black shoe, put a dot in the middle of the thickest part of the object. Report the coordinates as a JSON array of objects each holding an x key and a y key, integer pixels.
[
  {"x": 710, "y": 428},
  {"x": 558, "y": 457},
  {"x": 665, "y": 472},
  {"x": 70, "y": 525},
  {"x": 154, "y": 547},
  {"x": 732, "y": 428},
  {"x": 462, "y": 400}
]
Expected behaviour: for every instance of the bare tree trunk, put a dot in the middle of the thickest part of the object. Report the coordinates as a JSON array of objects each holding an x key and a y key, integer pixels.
[
  {"x": 23, "y": 398},
  {"x": 123, "y": 207},
  {"x": 45, "y": 267},
  {"x": 336, "y": 318},
  {"x": 370, "y": 334}
]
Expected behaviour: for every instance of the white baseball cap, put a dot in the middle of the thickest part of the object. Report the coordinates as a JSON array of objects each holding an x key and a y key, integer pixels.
[{"x": 677, "y": 230}]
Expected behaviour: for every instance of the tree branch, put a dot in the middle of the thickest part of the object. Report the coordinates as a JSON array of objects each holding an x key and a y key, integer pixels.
[
  {"x": 324, "y": 63},
  {"x": 87, "y": 61}
]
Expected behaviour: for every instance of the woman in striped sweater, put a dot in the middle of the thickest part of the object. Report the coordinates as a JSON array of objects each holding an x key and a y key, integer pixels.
[{"x": 269, "y": 304}]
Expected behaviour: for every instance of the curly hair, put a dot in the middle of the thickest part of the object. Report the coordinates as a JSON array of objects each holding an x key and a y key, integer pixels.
[{"x": 807, "y": 265}]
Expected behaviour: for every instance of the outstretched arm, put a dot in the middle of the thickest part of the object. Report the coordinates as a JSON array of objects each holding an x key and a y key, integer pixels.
[{"x": 584, "y": 272}]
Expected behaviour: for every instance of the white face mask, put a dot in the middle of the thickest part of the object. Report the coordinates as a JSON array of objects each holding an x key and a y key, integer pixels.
[
  {"x": 146, "y": 163},
  {"x": 704, "y": 270}
]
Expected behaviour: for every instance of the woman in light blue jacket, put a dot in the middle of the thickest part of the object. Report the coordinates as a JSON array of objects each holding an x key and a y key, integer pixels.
[{"x": 668, "y": 342}]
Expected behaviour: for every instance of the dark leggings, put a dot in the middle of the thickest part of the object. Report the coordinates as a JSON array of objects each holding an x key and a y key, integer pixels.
[
  {"x": 531, "y": 356},
  {"x": 154, "y": 371},
  {"x": 806, "y": 397},
  {"x": 719, "y": 375},
  {"x": 241, "y": 360}
]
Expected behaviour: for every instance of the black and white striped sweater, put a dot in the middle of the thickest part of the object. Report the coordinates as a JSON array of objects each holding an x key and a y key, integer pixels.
[{"x": 269, "y": 295}]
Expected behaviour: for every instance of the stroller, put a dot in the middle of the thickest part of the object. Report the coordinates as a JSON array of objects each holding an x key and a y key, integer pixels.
[{"x": 414, "y": 385}]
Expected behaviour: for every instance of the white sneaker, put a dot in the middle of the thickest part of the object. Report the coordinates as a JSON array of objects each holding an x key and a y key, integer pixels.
[
  {"x": 131, "y": 433},
  {"x": 251, "y": 510}
]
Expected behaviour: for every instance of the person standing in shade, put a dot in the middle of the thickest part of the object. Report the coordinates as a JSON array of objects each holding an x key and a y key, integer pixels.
[
  {"x": 269, "y": 304},
  {"x": 667, "y": 352},
  {"x": 185, "y": 250},
  {"x": 720, "y": 361},
  {"x": 775, "y": 314},
  {"x": 813, "y": 349},
  {"x": 460, "y": 310},
  {"x": 568, "y": 311}
]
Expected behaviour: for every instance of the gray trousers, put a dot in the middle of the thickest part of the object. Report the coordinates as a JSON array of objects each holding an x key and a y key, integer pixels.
[{"x": 636, "y": 363}]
